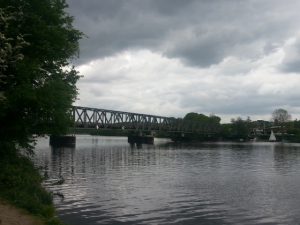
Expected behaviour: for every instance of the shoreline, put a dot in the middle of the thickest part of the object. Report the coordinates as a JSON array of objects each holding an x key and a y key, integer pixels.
[{"x": 11, "y": 215}]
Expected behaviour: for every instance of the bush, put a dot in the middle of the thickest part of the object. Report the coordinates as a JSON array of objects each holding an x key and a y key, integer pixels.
[{"x": 20, "y": 185}]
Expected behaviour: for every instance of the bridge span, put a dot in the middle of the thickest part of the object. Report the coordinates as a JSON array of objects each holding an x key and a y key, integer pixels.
[
  {"x": 85, "y": 117},
  {"x": 139, "y": 125}
]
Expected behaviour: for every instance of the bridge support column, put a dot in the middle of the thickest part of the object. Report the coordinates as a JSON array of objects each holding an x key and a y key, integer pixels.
[
  {"x": 136, "y": 139},
  {"x": 62, "y": 141}
]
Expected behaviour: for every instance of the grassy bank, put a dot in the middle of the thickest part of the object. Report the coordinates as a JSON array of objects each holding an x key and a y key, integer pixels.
[{"x": 20, "y": 185}]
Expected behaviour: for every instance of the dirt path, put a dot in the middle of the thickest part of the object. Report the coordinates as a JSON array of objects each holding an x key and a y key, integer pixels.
[{"x": 10, "y": 215}]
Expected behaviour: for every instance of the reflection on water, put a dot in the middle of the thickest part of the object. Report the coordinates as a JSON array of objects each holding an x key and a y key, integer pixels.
[{"x": 107, "y": 181}]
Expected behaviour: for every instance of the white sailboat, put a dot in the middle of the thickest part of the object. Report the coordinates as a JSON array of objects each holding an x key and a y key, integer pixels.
[{"x": 272, "y": 136}]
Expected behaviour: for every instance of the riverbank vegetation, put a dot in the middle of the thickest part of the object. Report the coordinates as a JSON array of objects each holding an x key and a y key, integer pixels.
[
  {"x": 200, "y": 127},
  {"x": 38, "y": 87},
  {"x": 20, "y": 185},
  {"x": 240, "y": 129}
]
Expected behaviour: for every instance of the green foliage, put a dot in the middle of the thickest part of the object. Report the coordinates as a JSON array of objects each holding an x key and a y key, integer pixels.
[
  {"x": 206, "y": 128},
  {"x": 20, "y": 184},
  {"x": 206, "y": 123},
  {"x": 226, "y": 131},
  {"x": 37, "y": 89},
  {"x": 10, "y": 48},
  {"x": 202, "y": 118},
  {"x": 38, "y": 84},
  {"x": 238, "y": 129}
]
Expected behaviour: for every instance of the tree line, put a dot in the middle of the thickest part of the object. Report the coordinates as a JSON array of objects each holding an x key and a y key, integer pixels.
[{"x": 245, "y": 129}]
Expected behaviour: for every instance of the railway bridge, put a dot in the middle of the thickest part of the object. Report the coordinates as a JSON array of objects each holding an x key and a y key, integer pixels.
[
  {"x": 137, "y": 124},
  {"x": 94, "y": 118}
]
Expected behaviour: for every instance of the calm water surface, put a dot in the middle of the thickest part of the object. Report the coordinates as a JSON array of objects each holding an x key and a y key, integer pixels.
[{"x": 106, "y": 181}]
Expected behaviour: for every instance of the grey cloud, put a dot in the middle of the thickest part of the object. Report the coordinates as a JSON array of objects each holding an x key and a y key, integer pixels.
[
  {"x": 292, "y": 66},
  {"x": 218, "y": 28},
  {"x": 204, "y": 47},
  {"x": 161, "y": 89},
  {"x": 247, "y": 106},
  {"x": 233, "y": 99},
  {"x": 189, "y": 55},
  {"x": 291, "y": 61},
  {"x": 101, "y": 78}
]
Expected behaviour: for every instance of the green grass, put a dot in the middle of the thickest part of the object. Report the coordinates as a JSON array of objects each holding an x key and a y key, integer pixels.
[{"x": 20, "y": 185}]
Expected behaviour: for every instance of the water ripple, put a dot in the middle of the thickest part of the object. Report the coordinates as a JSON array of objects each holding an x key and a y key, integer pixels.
[{"x": 105, "y": 181}]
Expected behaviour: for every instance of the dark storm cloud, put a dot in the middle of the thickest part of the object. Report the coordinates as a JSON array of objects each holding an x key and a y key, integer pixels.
[
  {"x": 200, "y": 33},
  {"x": 113, "y": 26}
]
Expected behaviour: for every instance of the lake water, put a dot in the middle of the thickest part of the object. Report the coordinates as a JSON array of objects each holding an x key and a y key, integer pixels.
[{"x": 107, "y": 181}]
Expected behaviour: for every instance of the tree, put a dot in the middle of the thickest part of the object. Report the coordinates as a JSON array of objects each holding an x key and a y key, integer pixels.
[
  {"x": 202, "y": 122},
  {"x": 10, "y": 49},
  {"x": 280, "y": 116},
  {"x": 38, "y": 82},
  {"x": 240, "y": 129}
]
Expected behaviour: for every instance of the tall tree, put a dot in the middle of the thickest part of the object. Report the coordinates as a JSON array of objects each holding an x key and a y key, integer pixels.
[
  {"x": 38, "y": 88},
  {"x": 280, "y": 116}
]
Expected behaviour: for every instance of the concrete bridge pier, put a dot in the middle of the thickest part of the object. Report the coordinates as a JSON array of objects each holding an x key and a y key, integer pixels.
[{"x": 62, "y": 141}]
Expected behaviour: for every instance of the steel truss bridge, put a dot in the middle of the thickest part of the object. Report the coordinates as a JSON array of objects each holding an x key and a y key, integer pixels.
[{"x": 93, "y": 118}]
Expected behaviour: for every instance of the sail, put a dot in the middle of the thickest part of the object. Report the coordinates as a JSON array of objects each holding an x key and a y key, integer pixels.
[{"x": 272, "y": 136}]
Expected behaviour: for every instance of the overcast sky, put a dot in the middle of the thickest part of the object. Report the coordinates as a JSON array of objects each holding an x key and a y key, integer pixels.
[{"x": 170, "y": 57}]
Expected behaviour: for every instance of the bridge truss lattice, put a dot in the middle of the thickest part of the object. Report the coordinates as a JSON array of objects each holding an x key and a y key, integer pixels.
[{"x": 85, "y": 117}]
